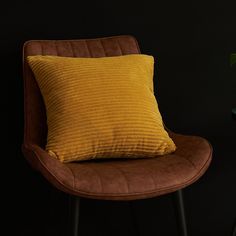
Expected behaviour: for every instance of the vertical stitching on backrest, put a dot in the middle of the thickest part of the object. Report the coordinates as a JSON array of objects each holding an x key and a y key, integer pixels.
[
  {"x": 117, "y": 40},
  {"x": 72, "y": 48},
  {"x": 103, "y": 47},
  {"x": 136, "y": 43},
  {"x": 42, "y": 49},
  {"x": 90, "y": 54},
  {"x": 55, "y": 43}
]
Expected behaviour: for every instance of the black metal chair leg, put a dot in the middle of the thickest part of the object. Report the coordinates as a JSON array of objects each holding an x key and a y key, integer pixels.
[
  {"x": 134, "y": 217},
  {"x": 234, "y": 229},
  {"x": 180, "y": 212},
  {"x": 74, "y": 215}
]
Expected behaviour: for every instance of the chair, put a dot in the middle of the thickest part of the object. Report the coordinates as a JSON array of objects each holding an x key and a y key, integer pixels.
[{"x": 131, "y": 179}]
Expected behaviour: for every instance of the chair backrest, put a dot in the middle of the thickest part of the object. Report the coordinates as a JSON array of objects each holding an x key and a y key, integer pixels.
[{"x": 35, "y": 127}]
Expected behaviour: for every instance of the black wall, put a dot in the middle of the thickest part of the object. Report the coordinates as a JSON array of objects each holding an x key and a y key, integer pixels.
[{"x": 195, "y": 88}]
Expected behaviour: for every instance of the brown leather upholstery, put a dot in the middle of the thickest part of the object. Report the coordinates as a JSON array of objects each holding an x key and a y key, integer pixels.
[{"x": 125, "y": 179}]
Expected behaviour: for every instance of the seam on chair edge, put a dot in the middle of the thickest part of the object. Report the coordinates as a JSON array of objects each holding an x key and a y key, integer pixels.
[
  {"x": 35, "y": 152},
  {"x": 191, "y": 180}
]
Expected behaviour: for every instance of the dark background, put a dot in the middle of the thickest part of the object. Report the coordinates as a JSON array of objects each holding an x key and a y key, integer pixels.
[{"x": 195, "y": 88}]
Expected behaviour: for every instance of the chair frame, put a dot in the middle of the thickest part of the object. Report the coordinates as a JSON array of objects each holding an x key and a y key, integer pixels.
[{"x": 178, "y": 202}]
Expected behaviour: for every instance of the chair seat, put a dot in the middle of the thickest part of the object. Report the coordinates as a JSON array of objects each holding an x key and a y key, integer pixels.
[{"x": 129, "y": 179}]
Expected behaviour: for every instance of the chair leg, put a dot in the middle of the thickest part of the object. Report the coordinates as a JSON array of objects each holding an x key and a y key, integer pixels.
[
  {"x": 134, "y": 218},
  {"x": 74, "y": 205},
  {"x": 234, "y": 229},
  {"x": 180, "y": 212}
]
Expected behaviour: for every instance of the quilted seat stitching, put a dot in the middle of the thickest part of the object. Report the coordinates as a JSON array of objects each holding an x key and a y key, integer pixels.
[
  {"x": 134, "y": 193},
  {"x": 97, "y": 174},
  {"x": 122, "y": 174},
  {"x": 154, "y": 182},
  {"x": 150, "y": 192},
  {"x": 159, "y": 189},
  {"x": 152, "y": 178},
  {"x": 186, "y": 157},
  {"x": 155, "y": 191}
]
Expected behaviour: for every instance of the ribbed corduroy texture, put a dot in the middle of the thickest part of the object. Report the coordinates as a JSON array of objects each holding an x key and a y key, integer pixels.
[{"x": 100, "y": 107}]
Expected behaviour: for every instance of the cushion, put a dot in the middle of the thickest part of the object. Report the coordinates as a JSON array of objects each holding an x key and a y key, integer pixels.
[{"x": 100, "y": 107}]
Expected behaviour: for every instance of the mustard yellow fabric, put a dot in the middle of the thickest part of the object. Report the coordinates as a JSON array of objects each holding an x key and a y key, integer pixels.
[{"x": 101, "y": 107}]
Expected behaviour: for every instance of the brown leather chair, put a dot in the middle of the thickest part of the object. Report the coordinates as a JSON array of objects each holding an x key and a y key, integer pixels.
[{"x": 111, "y": 179}]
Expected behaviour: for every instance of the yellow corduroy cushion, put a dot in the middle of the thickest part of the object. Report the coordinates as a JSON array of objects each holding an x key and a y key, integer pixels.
[{"x": 100, "y": 107}]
